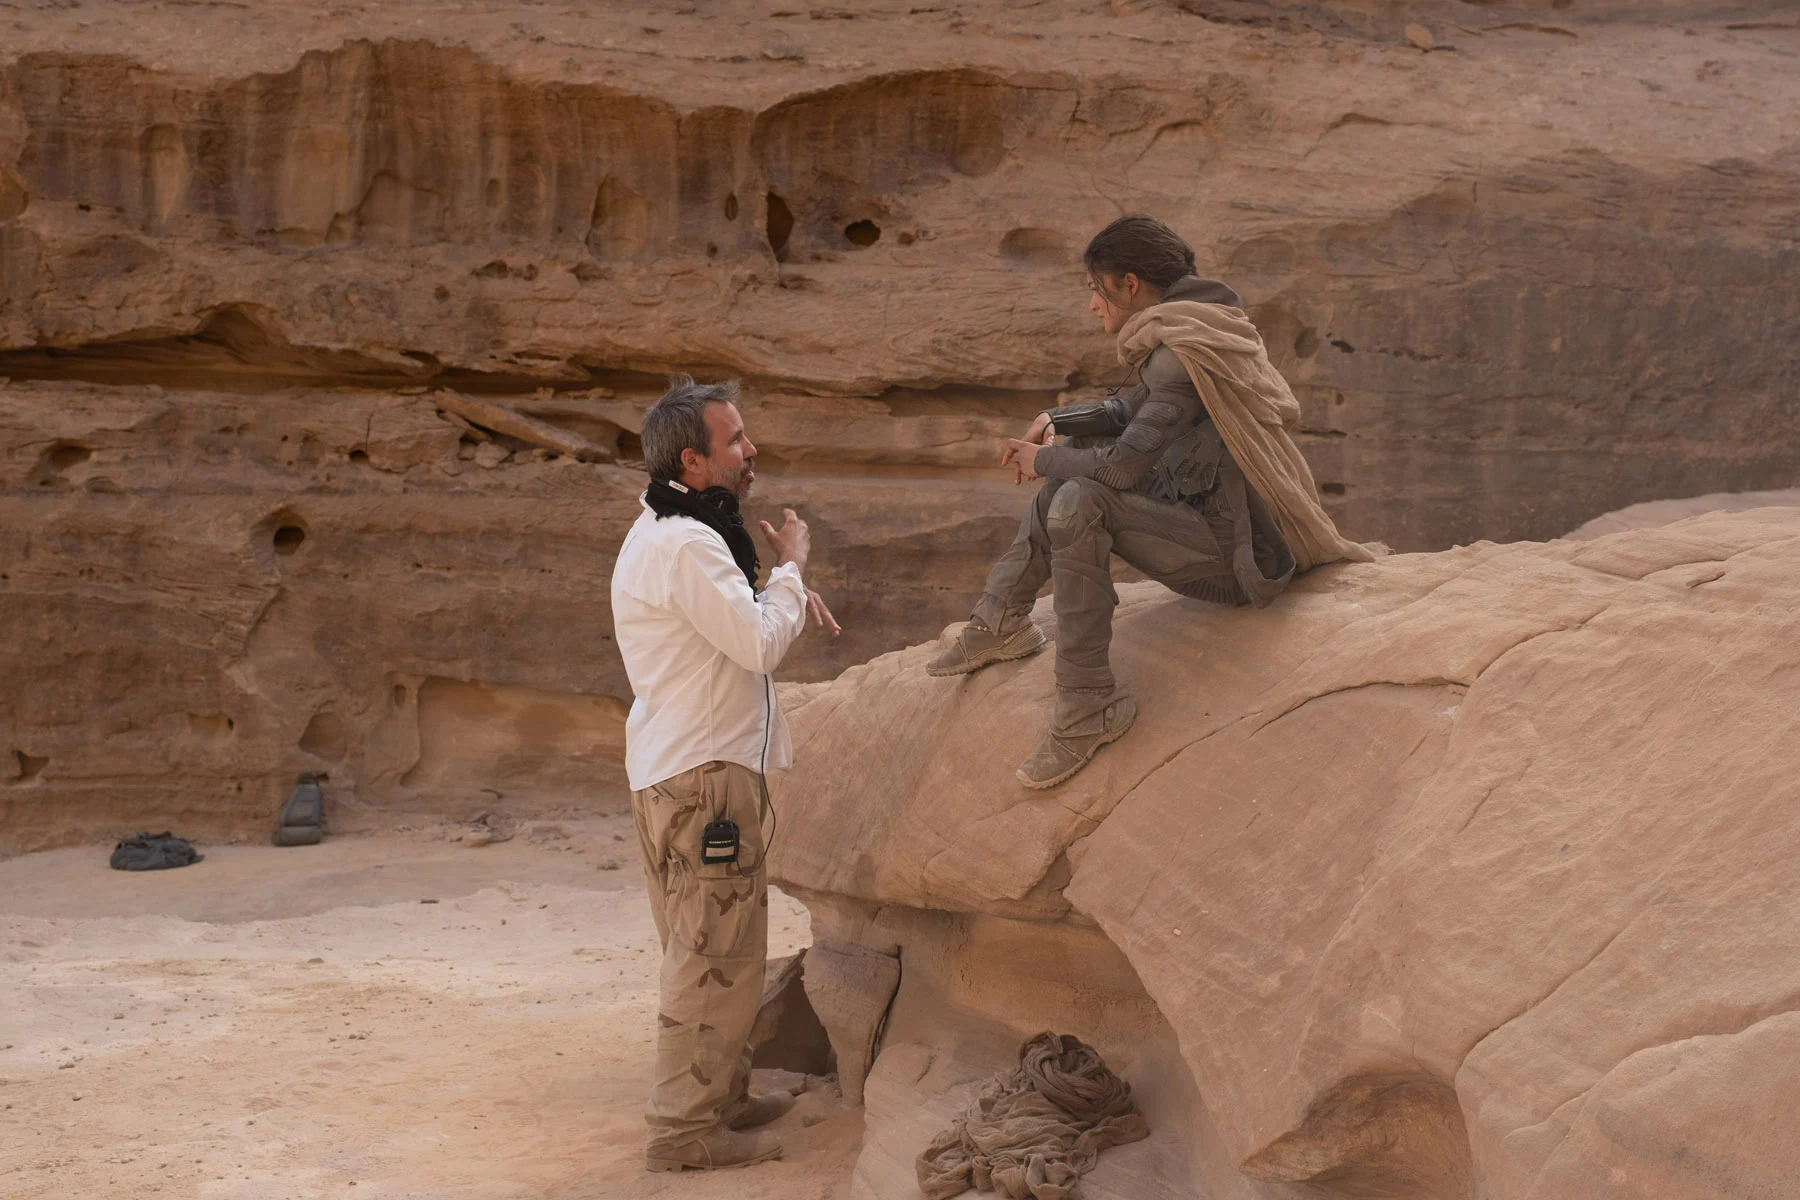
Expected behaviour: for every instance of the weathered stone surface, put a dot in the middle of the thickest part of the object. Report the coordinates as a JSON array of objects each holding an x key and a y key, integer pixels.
[
  {"x": 1652, "y": 513},
  {"x": 1460, "y": 874},
  {"x": 1535, "y": 272},
  {"x": 206, "y": 592},
  {"x": 1529, "y": 276}
]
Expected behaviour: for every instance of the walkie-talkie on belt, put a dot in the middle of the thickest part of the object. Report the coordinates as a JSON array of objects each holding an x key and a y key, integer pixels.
[{"x": 719, "y": 843}]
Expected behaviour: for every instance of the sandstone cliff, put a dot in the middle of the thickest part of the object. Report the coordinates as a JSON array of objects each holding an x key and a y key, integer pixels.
[
  {"x": 1455, "y": 875},
  {"x": 1524, "y": 264}
]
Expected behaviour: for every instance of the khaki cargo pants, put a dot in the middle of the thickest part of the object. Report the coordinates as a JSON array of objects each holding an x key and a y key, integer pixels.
[{"x": 714, "y": 924}]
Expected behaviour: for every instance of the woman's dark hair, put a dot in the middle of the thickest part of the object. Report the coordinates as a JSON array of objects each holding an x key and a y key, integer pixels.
[{"x": 1141, "y": 246}]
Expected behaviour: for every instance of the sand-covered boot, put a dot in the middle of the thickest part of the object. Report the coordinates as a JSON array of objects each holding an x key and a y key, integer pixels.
[
  {"x": 977, "y": 646},
  {"x": 750, "y": 1112},
  {"x": 1065, "y": 750},
  {"x": 715, "y": 1150}
]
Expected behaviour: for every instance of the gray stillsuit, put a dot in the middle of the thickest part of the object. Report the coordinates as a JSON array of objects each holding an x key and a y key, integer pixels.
[{"x": 1154, "y": 485}]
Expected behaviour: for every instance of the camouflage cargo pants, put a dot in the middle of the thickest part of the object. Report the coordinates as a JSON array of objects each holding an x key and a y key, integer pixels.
[{"x": 714, "y": 924}]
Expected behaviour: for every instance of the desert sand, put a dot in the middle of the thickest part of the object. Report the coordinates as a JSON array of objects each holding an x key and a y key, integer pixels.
[{"x": 285, "y": 1024}]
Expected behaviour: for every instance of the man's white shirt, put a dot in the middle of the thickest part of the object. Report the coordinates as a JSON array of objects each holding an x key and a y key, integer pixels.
[{"x": 698, "y": 646}]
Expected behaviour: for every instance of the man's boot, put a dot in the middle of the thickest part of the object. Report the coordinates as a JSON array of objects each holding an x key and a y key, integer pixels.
[
  {"x": 715, "y": 1150},
  {"x": 1068, "y": 748},
  {"x": 750, "y": 1112},
  {"x": 977, "y": 646}
]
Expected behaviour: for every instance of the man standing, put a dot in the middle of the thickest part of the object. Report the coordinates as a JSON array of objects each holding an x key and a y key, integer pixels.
[{"x": 699, "y": 644}]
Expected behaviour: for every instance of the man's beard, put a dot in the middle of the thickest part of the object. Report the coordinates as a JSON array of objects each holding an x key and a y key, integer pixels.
[{"x": 738, "y": 482}]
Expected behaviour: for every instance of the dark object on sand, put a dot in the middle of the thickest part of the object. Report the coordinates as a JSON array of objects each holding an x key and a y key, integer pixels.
[
  {"x": 303, "y": 816},
  {"x": 153, "y": 852}
]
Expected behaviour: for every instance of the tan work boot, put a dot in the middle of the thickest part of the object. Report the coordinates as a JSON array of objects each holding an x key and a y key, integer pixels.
[
  {"x": 977, "y": 646},
  {"x": 750, "y": 1112},
  {"x": 1064, "y": 752},
  {"x": 715, "y": 1150}
]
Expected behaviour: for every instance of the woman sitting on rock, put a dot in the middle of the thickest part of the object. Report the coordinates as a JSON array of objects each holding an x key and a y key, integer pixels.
[{"x": 1190, "y": 476}]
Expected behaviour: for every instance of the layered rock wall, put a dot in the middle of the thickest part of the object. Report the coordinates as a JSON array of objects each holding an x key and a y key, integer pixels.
[{"x": 1536, "y": 272}]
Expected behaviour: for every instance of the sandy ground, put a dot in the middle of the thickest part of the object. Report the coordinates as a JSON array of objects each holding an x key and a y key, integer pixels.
[{"x": 384, "y": 1016}]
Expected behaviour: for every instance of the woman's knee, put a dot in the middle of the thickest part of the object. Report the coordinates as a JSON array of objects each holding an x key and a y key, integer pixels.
[{"x": 1075, "y": 506}]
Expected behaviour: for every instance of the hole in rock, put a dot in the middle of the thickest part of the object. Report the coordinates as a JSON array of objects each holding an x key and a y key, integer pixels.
[
  {"x": 1307, "y": 344},
  {"x": 1332, "y": 489},
  {"x": 27, "y": 766},
  {"x": 491, "y": 270},
  {"x": 621, "y": 223},
  {"x": 326, "y": 737},
  {"x": 399, "y": 695},
  {"x": 780, "y": 226},
  {"x": 359, "y": 456},
  {"x": 440, "y": 293},
  {"x": 64, "y": 455},
  {"x": 288, "y": 539},
  {"x": 862, "y": 233},
  {"x": 907, "y": 238},
  {"x": 1034, "y": 247},
  {"x": 1341, "y": 344},
  {"x": 731, "y": 207},
  {"x": 712, "y": 250},
  {"x": 788, "y": 1034},
  {"x": 493, "y": 193},
  {"x": 210, "y": 725},
  {"x": 14, "y": 199},
  {"x": 631, "y": 446}
]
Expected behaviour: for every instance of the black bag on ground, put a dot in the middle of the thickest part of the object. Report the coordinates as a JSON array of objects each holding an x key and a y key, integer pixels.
[
  {"x": 303, "y": 816},
  {"x": 153, "y": 852}
]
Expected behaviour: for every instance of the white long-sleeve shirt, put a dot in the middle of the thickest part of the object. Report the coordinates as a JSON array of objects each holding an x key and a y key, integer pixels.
[{"x": 699, "y": 646}]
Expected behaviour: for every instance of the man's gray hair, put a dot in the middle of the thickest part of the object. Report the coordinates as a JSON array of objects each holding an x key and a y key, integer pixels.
[{"x": 677, "y": 422}]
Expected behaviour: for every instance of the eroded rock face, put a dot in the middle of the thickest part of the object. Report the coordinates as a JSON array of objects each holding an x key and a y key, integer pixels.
[
  {"x": 1523, "y": 268},
  {"x": 206, "y": 592},
  {"x": 1521, "y": 279},
  {"x": 1459, "y": 874}
]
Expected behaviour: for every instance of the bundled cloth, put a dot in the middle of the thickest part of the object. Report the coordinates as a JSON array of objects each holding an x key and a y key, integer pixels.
[
  {"x": 153, "y": 852},
  {"x": 1034, "y": 1132},
  {"x": 1253, "y": 408}
]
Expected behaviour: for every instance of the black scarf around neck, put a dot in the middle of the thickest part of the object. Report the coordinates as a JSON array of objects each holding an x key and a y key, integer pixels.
[{"x": 717, "y": 509}]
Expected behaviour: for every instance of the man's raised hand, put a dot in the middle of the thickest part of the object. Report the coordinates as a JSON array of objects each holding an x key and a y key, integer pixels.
[{"x": 792, "y": 542}]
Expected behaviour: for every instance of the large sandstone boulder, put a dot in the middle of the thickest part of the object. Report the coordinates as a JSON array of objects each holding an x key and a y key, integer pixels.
[
  {"x": 1652, "y": 513},
  {"x": 1466, "y": 874}
]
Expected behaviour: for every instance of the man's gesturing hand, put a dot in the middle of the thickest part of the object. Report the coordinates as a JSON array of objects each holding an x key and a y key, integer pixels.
[
  {"x": 821, "y": 615},
  {"x": 792, "y": 542}
]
